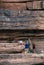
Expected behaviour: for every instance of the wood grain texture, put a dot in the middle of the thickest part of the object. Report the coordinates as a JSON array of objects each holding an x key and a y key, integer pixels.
[
  {"x": 25, "y": 59},
  {"x": 43, "y": 4},
  {"x": 17, "y": 47},
  {"x": 14, "y": 6},
  {"x": 11, "y": 48},
  {"x": 22, "y": 20},
  {"x": 15, "y": 0},
  {"x": 19, "y": 0},
  {"x": 35, "y": 5},
  {"x": 22, "y": 4}
]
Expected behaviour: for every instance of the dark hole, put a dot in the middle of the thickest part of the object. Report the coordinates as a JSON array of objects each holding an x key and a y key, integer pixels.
[
  {"x": 39, "y": 64},
  {"x": 33, "y": 46}
]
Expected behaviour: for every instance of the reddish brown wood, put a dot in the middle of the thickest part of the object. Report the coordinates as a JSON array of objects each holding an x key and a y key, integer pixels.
[{"x": 14, "y": 6}]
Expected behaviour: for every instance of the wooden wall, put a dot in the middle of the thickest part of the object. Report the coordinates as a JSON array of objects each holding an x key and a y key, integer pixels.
[
  {"x": 22, "y": 15},
  {"x": 21, "y": 20},
  {"x": 22, "y": 4}
]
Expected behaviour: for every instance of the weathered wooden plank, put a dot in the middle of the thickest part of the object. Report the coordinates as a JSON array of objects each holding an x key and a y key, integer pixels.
[
  {"x": 21, "y": 14},
  {"x": 11, "y": 48},
  {"x": 24, "y": 20},
  {"x": 28, "y": 26},
  {"x": 22, "y": 26},
  {"x": 5, "y": 40},
  {"x": 7, "y": 35},
  {"x": 15, "y": 0},
  {"x": 14, "y": 6},
  {"x": 19, "y": 0},
  {"x": 21, "y": 56},
  {"x": 20, "y": 59},
  {"x": 35, "y": 5},
  {"x": 23, "y": 5},
  {"x": 24, "y": 61}
]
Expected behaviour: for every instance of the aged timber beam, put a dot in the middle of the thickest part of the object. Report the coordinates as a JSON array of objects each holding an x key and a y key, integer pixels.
[
  {"x": 17, "y": 47},
  {"x": 20, "y": 56},
  {"x": 15, "y": 0},
  {"x": 6, "y": 39},
  {"x": 19, "y": 0},
  {"x": 25, "y": 59},
  {"x": 22, "y": 20},
  {"x": 11, "y": 48},
  {"x": 32, "y": 5},
  {"x": 20, "y": 36},
  {"x": 21, "y": 61}
]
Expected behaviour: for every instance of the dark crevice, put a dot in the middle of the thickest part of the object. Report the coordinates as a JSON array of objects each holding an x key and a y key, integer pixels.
[{"x": 39, "y": 64}]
